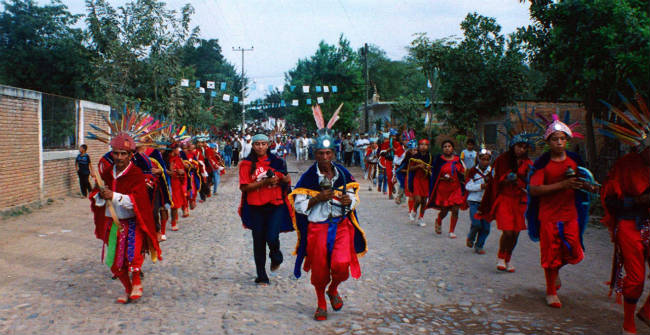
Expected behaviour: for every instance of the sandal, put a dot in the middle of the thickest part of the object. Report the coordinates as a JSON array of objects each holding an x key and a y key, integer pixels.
[
  {"x": 136, "y": 293},
  {"x": 320, "y": 315},
  {"x": 336, "y": 301},
  {"x": 122, "y": 300},
  {"x": 553, "y": 301}
]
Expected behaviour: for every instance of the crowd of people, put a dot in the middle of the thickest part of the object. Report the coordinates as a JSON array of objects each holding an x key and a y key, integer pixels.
[{"x": 155, "y": 170}]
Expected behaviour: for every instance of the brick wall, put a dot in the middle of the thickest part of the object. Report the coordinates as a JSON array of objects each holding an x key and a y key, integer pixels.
[
  {"x": 19, "y": 147},
  {"x": 59, "y": 178},
  {"x": 21, "y": 152}
]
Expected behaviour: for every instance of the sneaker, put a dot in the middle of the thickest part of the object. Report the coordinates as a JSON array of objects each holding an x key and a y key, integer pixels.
[
  {"x": 163, "y": 237},
  {"x": 452, "y": 235},
  {"x": 470, "y": 243},
  {"x": 480, "y": 251},
  {"x": 510, "y": 268},
  {"x": 421, "y": 222},
  {"x": 412, "y": 216}
]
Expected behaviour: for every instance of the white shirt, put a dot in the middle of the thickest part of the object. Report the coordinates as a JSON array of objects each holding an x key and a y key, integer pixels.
[
  {"x": 322, "y": 210},
  {"x": 473, "y": 185},
  {"x": 246, "y": 149},
  {"x": 121, "y": 202}
]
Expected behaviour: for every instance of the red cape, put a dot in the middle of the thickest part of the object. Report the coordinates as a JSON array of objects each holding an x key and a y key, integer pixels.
[
  {"x": 629, "y": 177},
  {"x": 132, "y": 184},
  {"x": 501, "y": 169}
]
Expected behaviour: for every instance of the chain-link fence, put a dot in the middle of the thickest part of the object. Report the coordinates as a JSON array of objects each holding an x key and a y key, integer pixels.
[{"x": 60, "y": 115}]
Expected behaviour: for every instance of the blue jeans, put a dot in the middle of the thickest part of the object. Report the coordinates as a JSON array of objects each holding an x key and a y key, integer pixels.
[
  {"x": 480, "y": 229},
  {"x": 265, "y": 226},
  {"x": 361, "y": 156},
  {"x": 216, "y": 178},
  {"x": 227, "y": 160},
  {"x": 382, "y": 180}
]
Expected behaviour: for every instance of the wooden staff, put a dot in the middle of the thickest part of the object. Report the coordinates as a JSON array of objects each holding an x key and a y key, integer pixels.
[
  {"x": 419, "y": 161},
  {"x": 109, "y": 203}
]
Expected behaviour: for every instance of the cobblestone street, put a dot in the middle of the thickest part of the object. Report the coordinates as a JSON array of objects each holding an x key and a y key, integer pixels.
[{"x": 413, "y": 281}]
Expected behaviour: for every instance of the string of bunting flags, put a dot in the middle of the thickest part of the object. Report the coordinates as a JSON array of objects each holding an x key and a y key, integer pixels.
[{"x": 212, "y": 86}]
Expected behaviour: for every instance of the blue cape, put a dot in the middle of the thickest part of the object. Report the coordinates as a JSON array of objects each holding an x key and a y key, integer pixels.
[
  {"x": 309, "y": 180},
  {"x": 581, "y": 200}
]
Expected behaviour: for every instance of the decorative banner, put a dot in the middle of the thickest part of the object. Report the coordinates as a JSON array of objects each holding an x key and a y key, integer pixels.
[
  {"x": 185, "y": 82},
  {"x": 292, "y": 87},
  {"x": 226, "y": 97},
  {"x": 198, "y": 83},
  {"x": 334, "y": 89},
  {"x": 320, "y": 100},
  {"x": 171, "y": 81},
  {"x": 318, "y": 89},
  {"x": 326, "y": 89},
  {"x": 223, "y": 86},
  {"x": 213, "y": 93},
  {"x": 283, "y": 104},
  {"x": 294, "y": 102},
  {"x": 305, "y": 89},
  {"x": 201, "y": 90},
  {"x": 427, "y": 103},
  {"x": 210, "y": 85},
  {"x": 309, "y": 101},
  {"x": 235, "y": 99}
]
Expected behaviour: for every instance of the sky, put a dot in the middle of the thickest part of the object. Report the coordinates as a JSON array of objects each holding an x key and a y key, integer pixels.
[{"x": 282, "y": 31}]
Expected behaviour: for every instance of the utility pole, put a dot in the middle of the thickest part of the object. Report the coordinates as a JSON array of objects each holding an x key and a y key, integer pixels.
[
  {"x": 243, "y": 86},
  {"x": 365, "y": 87}
]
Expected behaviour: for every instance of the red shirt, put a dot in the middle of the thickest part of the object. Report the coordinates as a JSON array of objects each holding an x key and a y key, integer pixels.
[
  {"x": 265, "y": 194},
  {"x": 558, "y": 206}
]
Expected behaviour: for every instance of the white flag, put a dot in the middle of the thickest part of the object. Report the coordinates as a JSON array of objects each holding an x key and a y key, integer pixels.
[
  {"x": 210, "y": 85},
  {"x": 320, "y": 100},
  {"x": 326, "y": 89},
  {"x": 226, "y": 97},
  {"x": 185, "y": 82},
  {"x": 201, "y": 90},
  {"x": 294, "y": 102},
  {"x": 305, "y": 89}
]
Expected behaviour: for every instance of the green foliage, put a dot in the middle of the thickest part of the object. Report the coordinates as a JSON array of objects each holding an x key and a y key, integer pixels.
[
  {"x": 40, "y": 50},
  {"x": 409, "y": 111},
  {"x": 392, "y": 78},
  {"x": 478, "y": 75},
  {"x": 331, "y": 64}
]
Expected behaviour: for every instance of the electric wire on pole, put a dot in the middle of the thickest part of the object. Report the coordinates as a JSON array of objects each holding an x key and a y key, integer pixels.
[{"x": 243, "y": 86}]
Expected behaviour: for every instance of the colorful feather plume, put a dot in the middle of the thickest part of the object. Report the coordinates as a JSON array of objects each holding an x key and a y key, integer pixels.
[{"x": 630, "y": 126}]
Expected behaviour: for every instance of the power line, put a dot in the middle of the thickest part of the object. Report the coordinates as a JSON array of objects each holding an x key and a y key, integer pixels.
[{"x": 243, "y": 86}]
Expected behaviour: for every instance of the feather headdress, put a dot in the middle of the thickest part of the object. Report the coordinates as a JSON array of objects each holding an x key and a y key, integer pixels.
[
  {"x": 131, "y": 122},
  {"x": 630, "y": 126},
  {"x": 325, "y": 139},
  {"x": 521, "y": 131},
  {"x": 548, "y": 126}
]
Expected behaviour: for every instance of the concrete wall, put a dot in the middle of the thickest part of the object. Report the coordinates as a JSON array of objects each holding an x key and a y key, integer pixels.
[{"x": 29, "y": 174}]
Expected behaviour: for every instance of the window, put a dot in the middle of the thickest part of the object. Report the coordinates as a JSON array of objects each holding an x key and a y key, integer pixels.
[
  {"x": 59, "y": 122},
  {"x": 490, "y": 133}
]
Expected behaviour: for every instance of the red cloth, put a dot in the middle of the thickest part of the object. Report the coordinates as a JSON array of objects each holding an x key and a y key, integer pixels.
[
  {"x": 498, "y": 187},
  {"x": 420, "y": 184},
  {"x": 138, "y": 257},
  {"x": 510, "y": 213},
  {"x": 559, "y": 243},
  {"x": 178, "y": 185},
  {"x": 558, "y": 206},
  {"x": 449, "y": 193},
  {"x": 629, "y": 177},
  {"x": 132, "y": 184},
  {"x": 634, "y": 255},
  {"x": 263, "y": 195},
  {"x": 341, "y": 262}
]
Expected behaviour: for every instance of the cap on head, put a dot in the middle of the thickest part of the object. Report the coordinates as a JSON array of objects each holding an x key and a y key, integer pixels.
[
  {"x": 123, "y": 141},
  {"x": 424, "y": 141},
  {"x": 259, "y": 138},
  {"x": 557, "y": 125}
]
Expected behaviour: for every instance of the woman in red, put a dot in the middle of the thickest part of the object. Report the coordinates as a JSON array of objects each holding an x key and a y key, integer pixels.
[
  {"x": 178, "y": 177},
  {"x": 264, "y": 182},
  {"x": 505, "y": 199},
  {"x": 448, "y": 193}
]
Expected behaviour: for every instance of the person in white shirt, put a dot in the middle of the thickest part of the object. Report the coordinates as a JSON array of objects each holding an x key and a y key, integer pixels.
[
  {"x": 468, "y": 155},
  {"x": 477, "y": 179},
  {"x": 246, "y": 146}
]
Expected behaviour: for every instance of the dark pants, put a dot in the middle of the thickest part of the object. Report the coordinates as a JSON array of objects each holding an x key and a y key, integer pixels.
[
  {"x": 480, "y": 229},
  {"x": 84, "y": 184},
  {"x": 235, "y": 157},
  {"x": 265, "y": 226},
  {"x": 347, "y": 157}
]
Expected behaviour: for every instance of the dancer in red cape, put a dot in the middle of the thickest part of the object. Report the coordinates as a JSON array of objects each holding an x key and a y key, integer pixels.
[{"x": 448, "y": 193}]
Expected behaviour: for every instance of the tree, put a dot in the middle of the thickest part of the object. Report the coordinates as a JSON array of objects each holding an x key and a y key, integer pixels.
[
  {"x": 40, "y": 50},
  {"x": 392, "y": 78},
  {"x": 480, "y": 75},
  {"x": 330, "y": 65},
  {"x": 588, "y": 49}
]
